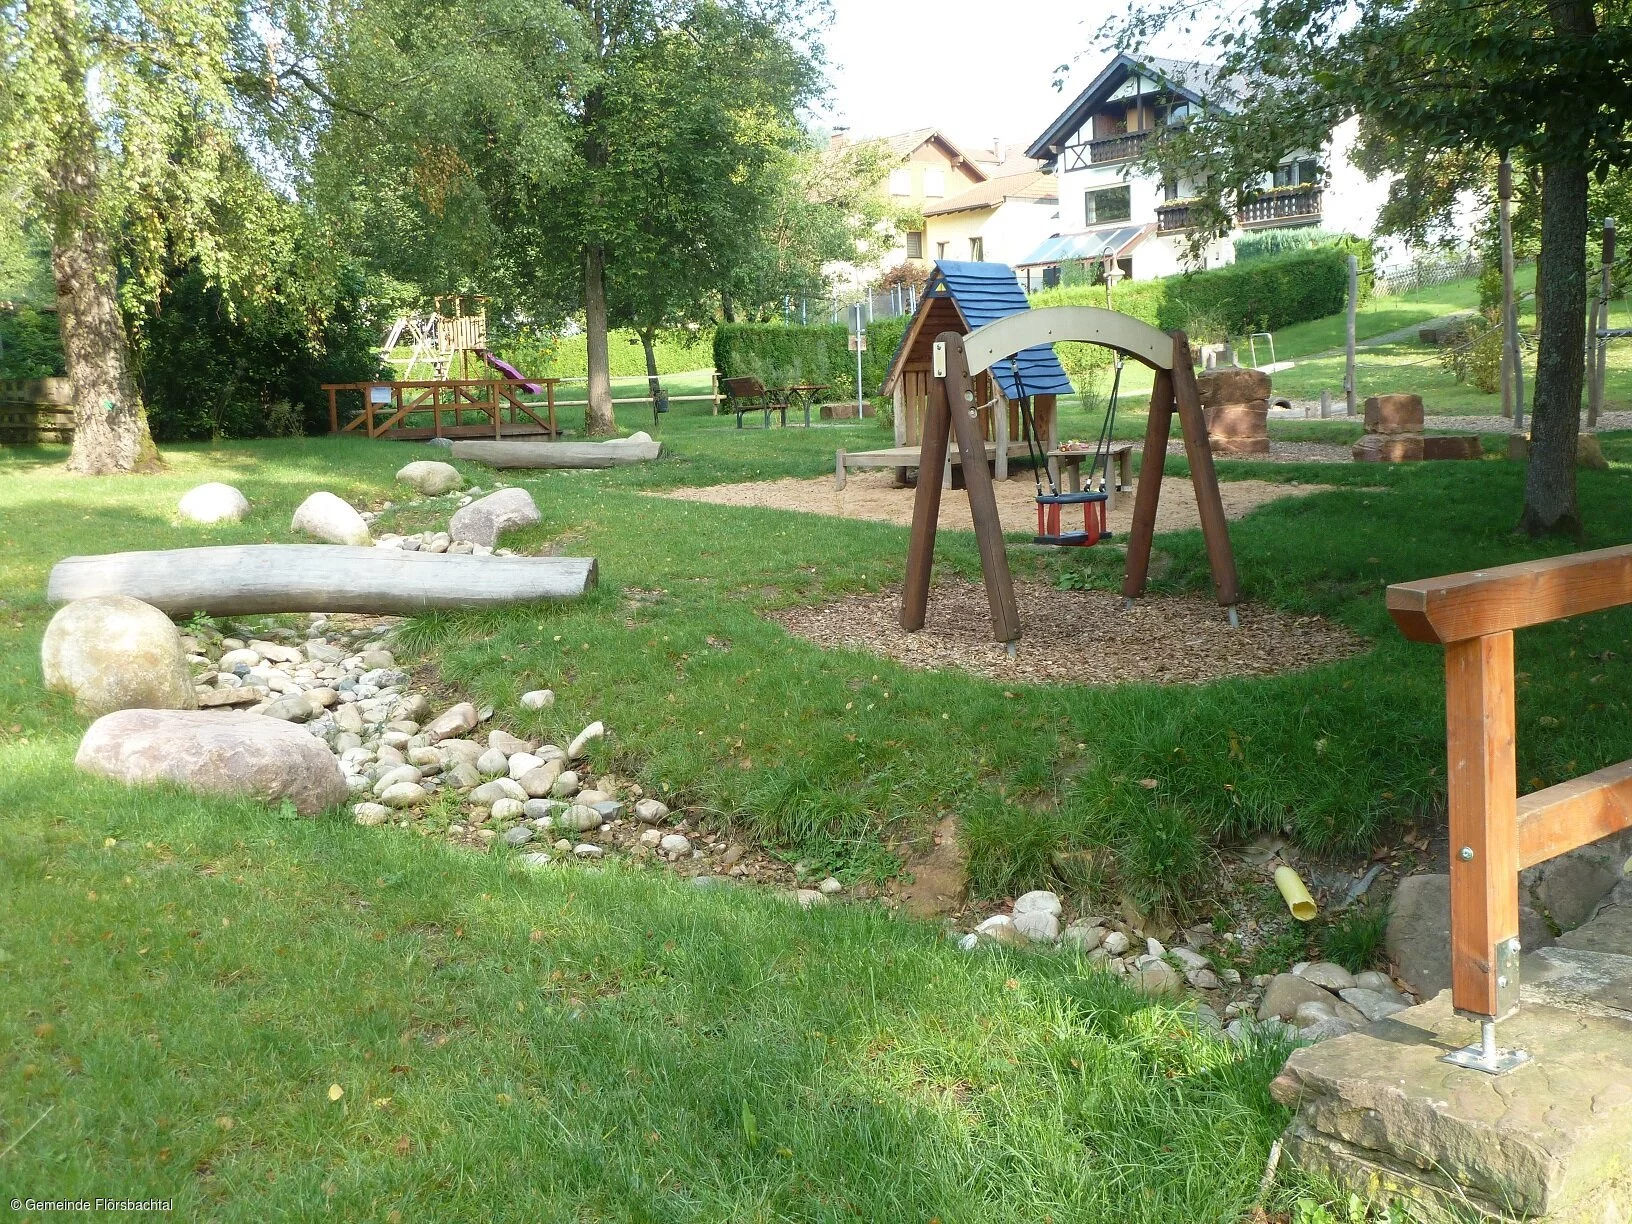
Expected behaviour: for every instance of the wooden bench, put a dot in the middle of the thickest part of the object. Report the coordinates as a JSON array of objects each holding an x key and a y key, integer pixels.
[
  {"x": 749, "y": 394},
  {"x": 1068, "y": 463}
]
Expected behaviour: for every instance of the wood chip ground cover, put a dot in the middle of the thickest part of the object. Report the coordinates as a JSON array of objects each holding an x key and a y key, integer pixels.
[
  {"x": 873, "y": 495},
  {"x": 1079, "y": 637}
]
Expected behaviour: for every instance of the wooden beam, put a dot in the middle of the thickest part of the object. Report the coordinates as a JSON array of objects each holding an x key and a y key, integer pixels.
[
  {"x": 1148, "y": 492},
  {"x": 934, "y": 437},
  {"x": 252, "y": 578},
  {"x": 1457, "y": 607},
  {"x": 1481, "y": 784},
  {"x": 977, "y": 482},
  {"x": 1215, "y": 528},
  {"x": 514, "y": 454},
  {"x": 1560, "y": 818}
]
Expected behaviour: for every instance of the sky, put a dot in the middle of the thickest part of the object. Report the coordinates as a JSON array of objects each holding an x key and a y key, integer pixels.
[{"x": 973, "y": 68}]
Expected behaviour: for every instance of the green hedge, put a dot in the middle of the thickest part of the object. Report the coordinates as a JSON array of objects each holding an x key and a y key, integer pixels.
[
  {"x": 541, "y": 354},
  {"x": 1263, "y": 294},
  {"x": 781, "y": 355}
]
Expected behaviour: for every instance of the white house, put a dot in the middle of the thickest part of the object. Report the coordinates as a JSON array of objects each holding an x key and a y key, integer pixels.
[{"x": 1111, "y": 208}]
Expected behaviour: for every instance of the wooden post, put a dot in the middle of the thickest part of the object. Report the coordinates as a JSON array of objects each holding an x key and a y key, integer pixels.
[
  {"x": 933, "y": 439},
  {"x": 977, "y": 482},
  {"x": 1349, "y": 388},
  {"x": 334, "y": 414},
  {"x": 1325, "y": 403},
  {"x": 841, "y": 476},
  {"x": 1000, "y": 428},
  {"x": 1504, "y": 223},
  {"x": 1482, "y": 787},
  {"x": 368, "y": 408},
  {"x": 1215, "y": 529},
  {"x": 1148, "y": 492},
  {"x": 1599, "y": 347}
]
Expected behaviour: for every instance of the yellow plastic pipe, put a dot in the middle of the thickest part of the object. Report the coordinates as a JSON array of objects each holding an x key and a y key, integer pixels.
[{"x": 1296, "y": 894}]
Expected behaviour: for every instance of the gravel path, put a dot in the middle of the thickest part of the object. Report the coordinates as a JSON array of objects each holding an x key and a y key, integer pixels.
[{"x": 1607, "y": 422}]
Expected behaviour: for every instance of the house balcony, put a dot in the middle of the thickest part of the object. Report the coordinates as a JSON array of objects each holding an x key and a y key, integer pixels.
[
  {"x": 1102, "y": 152},
  {"x": 1174, "y": 217},
  {"x": 1280, "y": 206}
]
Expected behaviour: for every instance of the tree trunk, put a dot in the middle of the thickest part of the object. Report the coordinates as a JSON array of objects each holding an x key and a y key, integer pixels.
[
  {"x": 728, "y": 311},
  {"x": 110, "y": 424},
  {"x": 1561, "y": 305},
  {"x": 648, "y": 343},
  {"x": 598, "y": 419}
]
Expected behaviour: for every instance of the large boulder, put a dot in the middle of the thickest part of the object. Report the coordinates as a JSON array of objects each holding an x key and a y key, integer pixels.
[
  {"x": 216, "y": 753},
  {"x": 323, "y": 516},
  {"x": 213, "y": 503},
  {"x": 1419, "y": 932},
  {"x": 431, "y": 477},
  {"x": 112, "y": 652},
  {"x": 484, "y": 521}
]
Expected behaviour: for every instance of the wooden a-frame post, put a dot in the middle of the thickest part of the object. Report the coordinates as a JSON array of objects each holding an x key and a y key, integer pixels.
[{"x": 952, "y": 411}]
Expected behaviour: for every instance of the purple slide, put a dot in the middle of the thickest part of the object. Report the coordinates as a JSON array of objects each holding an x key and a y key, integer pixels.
[{"x": 509, "y": 371}]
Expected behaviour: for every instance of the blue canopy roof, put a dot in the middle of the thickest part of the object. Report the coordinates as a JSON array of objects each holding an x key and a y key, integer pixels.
[{"x": 984, "y": 293}]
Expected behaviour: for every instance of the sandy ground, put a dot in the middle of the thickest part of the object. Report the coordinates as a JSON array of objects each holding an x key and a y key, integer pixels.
[
  {"x": 1081, "y": 637},
  {"x": 872, "y": 495}
]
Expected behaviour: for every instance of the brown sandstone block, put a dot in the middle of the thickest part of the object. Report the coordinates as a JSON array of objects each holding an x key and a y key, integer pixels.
[
  {"x": 1249, "y": 420},
  {"x": 1239, "y": 446},
  {"x": 1232, "y": 386},
  {"x": 1452, "y": 446},
  {"x": 1388, "y": 448},
  {"x": 1394, "y": 414}
]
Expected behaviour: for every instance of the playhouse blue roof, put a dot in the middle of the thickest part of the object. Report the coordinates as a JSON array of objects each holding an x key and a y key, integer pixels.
[{"x": 983, "y": 293}]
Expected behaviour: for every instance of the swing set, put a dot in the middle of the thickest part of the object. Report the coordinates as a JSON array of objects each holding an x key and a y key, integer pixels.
[{"x": 952, "y": 411}]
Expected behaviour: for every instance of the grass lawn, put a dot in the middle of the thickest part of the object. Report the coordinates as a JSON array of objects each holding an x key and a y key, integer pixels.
[{"x": 182, "y": 980}]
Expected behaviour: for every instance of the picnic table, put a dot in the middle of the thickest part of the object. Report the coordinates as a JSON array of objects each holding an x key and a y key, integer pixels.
[
  {"x": 1067, "y": 461},
  {"x": 800, "y": 395}
]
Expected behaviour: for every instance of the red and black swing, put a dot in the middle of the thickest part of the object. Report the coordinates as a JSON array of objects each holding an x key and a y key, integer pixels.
[{"x": 1092, "y": 500}]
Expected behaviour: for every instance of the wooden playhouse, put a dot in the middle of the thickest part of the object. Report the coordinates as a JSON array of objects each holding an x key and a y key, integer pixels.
[{"x": 961, "y": 297}]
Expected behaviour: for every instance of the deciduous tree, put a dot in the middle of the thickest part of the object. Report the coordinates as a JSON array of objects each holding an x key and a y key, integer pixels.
[{"x": 1549, "y": 80}]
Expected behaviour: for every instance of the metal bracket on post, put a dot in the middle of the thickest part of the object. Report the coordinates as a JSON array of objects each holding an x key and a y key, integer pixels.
[
  {"x": 1486, "y": 1055},
  {"x": 938, "y": 359}
]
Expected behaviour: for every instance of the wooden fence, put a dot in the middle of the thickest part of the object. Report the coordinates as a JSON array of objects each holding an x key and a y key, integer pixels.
[
  {"x": 1494, "y": 833},
  {"x": 34, "y": 410}
]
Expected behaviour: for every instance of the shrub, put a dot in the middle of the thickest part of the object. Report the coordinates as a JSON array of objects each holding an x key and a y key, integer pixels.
[
  {"x": 1263, "y": 243},
  {"x": 1472, "y": 354},
  {"x": 207, "y": 370},
  {"x": 29, "y": 344},
  {"x": 1264, "y": 294}
]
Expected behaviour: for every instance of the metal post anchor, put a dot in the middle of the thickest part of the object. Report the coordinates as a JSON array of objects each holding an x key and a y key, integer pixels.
[
  {"x": 1486, "y": 1056},
  {"x": 1235, "y": 618}
]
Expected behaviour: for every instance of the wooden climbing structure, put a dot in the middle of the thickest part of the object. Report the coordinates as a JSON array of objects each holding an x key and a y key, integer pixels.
[{"x": 952, "y": 409}]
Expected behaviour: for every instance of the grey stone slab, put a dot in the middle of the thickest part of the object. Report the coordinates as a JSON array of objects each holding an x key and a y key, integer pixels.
[{"x": 1379, "y": 1111}]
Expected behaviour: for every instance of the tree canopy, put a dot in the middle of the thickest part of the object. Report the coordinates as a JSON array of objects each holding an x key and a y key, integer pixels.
[{"x": 1440, "y": 86}]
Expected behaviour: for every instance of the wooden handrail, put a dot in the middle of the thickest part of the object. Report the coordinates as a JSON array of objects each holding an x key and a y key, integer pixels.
[
  {"x": 1494, "y": 834},
  {"x": 1462, "y": 606}
]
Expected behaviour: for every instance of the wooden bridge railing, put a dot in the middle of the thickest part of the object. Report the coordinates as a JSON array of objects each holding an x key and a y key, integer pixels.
[{"x": 1494, "y": 833}]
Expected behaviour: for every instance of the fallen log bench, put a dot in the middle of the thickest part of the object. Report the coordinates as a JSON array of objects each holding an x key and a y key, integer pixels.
[
  {"x": 557, "y": 454},
  {"x": 236, "y": 580}
]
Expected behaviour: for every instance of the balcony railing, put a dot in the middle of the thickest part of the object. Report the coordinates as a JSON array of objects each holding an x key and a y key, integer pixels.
[
  {"x": 1281, "y": 204},
  {"x": 1099, "y": 152},
  {"x": 1174, "y": 217}
]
